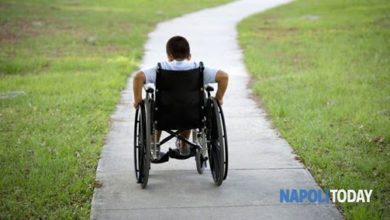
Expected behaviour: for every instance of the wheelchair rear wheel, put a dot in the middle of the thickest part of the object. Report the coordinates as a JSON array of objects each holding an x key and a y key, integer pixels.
[
  {"x": 224, "y": 136},
  {"x": 142, "y": 145},
  {"x": 216, "y": 145}
]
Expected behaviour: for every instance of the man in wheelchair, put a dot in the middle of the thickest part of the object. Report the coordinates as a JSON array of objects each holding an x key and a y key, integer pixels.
[{"x": 178, "y": 103}]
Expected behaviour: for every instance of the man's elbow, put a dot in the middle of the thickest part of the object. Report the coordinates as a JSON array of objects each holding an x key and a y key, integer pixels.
[
  {"x": 222, "y": 76},
  {"x": 139, "y": 77},
  {"x": 225, "y": 76}
]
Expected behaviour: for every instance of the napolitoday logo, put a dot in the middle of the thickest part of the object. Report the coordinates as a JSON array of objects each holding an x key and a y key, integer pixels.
[{"x": 317, "y": 195}]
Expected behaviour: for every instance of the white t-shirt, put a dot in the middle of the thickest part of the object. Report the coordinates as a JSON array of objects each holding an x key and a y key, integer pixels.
[{"x": 208, "y": 73}]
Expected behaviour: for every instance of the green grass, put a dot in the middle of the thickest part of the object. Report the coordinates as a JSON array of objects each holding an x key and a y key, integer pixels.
[
  {"x": 71, "y": 59},
  {"x": 326, "y": 85}
]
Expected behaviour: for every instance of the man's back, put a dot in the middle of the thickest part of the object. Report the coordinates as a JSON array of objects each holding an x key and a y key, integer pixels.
[{"x": 183, "y": 65}]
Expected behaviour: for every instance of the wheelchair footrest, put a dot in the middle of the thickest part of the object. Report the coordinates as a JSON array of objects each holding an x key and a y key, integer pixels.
[
  {"x": 163, "y": 159},
  {"x": 174, "y": 153}
]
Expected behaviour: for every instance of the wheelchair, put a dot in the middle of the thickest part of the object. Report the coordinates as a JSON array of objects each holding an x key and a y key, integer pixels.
[{"x": 180, "y": 101}]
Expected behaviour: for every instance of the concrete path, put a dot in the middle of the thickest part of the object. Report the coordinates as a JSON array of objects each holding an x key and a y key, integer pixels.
[{"x": 261, "y": 163}]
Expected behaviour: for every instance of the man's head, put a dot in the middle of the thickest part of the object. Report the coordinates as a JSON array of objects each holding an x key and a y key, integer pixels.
[{"x": 178, "y": 48}]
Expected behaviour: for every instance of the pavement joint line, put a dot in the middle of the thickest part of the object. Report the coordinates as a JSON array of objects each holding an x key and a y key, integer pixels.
[
  {"x": 271, "y": 168},
  {"x": 220, "y": 207},
  {"x": 208, "y": 171},
  {"x": 239, "y": 169}
]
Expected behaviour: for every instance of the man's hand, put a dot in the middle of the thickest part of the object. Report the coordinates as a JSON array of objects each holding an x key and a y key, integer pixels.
[
  {"x": 220, "y": 100},
  {"x": 136, "y": 103}
]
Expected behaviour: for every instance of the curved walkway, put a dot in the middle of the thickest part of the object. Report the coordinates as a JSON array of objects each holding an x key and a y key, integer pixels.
[{"x": 261, "y": 163}]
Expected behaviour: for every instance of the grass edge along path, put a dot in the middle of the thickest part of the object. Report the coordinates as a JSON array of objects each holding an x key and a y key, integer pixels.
[
  {"x": 70, "y": 59},
  {"x": 322, "y": 70}
]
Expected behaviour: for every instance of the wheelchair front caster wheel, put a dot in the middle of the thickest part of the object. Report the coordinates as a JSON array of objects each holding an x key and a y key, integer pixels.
[{"x": 200, "y": 162}]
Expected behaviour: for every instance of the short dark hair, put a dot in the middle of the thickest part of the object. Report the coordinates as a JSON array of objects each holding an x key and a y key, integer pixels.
[{"x": 178, "y": 47}]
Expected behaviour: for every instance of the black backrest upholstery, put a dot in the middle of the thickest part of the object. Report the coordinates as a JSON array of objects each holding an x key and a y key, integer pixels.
[{"x": 179, "y": 99}]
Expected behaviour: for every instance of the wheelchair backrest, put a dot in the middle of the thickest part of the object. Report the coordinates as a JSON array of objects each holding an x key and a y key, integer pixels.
[{"x": 179, "y": 99}]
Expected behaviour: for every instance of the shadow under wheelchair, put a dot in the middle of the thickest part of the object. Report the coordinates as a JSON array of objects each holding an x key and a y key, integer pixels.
[{"x": 168, "y": 179}]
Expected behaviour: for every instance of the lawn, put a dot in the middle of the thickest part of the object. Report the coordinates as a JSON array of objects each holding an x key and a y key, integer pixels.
[
  {"x": 62, "y": 67},
  {"x": 322, "y": 70}
]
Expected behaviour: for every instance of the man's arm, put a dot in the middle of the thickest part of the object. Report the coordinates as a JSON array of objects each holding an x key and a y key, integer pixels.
[
  {"x": 222, "y": 79},
  {"x": 138, "y": 82}
]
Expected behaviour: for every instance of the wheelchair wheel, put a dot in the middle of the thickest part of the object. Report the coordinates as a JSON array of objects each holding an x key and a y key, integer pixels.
[
  {"x": 224, "y": 135},
  {"x": 216, "y": 143},
  {"x": 199, "y": 159},
  {"x": 142, "y": 145},
  {"x": 200, "y": 162}
]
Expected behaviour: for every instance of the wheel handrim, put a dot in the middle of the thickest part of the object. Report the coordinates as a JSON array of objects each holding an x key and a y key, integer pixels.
[
  {"x": 224, "y": 135},
  {"x": 141, "y": 158},
  {"x": 137, "y": 145},
  {"x": 216, "y": 146}
]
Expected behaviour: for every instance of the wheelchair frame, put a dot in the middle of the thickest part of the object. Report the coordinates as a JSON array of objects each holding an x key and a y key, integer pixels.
[{"x": 209, "y": 141}]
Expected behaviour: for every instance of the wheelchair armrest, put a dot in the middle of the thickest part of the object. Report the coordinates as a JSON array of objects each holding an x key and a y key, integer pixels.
[
  {"x": 209, "y": 88},
  {"x": 149, "y": 88}
]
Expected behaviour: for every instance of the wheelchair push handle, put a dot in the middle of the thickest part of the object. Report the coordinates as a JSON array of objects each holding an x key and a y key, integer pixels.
[
  {"x": 148, "y": 88},
  {"x": 209, "y": 89}
]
